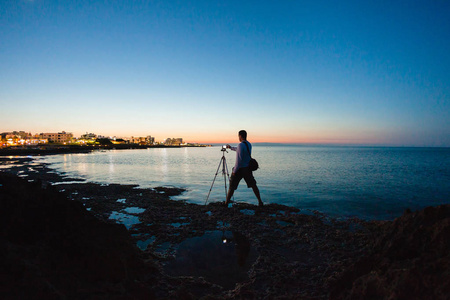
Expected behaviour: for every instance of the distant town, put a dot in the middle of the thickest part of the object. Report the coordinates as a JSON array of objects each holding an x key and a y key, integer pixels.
[{"x": 16, "y": 139}]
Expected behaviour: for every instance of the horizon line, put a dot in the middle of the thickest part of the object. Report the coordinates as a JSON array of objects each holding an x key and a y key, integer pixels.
[{"x": 332, "y": 144}]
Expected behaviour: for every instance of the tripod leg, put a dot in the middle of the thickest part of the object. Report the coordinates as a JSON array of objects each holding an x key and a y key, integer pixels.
[
  {"x": 225, "y": 168},
  {"x": 217, "y": 172},
  {"x": 228, "y": 176}
]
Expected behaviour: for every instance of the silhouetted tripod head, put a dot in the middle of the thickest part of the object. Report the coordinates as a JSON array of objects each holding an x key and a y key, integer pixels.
[{"x": 224, "y": 148}]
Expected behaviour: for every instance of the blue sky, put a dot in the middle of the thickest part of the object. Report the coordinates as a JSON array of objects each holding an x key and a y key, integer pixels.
[{"x": 352, "y": 72}]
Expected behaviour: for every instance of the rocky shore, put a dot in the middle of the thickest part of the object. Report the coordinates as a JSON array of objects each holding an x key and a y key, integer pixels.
[{"x": 62, "y": 238}]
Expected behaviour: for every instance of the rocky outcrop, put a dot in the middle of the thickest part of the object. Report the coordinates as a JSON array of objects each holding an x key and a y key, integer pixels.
[
  {"x": 410, "y": 260},
  {"x": 52, "y": 248}
]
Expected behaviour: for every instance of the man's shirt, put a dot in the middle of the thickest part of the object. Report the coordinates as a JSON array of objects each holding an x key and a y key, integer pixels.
[{"x": 242, "y": 155}]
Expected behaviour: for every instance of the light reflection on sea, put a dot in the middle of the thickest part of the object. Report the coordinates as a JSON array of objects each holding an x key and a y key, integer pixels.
[{"x": 371, "y": 183}]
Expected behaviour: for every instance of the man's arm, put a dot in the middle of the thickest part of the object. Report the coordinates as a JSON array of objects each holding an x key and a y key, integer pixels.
[
  {"x": 238, "y": 150},
  {"x": 231, "y": 147}
]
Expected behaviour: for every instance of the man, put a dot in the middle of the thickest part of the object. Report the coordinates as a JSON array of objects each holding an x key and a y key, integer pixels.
[{"x": 241, "y": 169}]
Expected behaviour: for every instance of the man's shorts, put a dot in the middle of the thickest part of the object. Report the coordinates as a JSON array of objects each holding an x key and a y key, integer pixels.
[{"x": 242, "y": 173}]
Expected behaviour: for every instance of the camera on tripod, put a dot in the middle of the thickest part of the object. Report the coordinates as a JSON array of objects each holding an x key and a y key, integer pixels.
[{"x": 224, "y": 148}]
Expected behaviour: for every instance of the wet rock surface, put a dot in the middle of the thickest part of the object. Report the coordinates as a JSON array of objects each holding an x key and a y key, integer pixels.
[{"x": 283, "y": 252}]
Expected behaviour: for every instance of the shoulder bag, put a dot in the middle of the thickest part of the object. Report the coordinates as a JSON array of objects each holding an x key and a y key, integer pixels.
[{"x": 253, "y": 164}]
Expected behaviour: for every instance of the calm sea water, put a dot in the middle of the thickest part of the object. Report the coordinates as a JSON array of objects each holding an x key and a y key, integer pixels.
[{"x": 370, "y": 183}]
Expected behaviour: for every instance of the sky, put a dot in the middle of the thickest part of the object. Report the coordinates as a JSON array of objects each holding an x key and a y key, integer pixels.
[{"x": 327, "y": 72}]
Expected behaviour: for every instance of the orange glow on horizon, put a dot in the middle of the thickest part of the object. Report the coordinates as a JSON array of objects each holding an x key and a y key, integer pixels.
[
  {"x": 338, "y": 139},
  {"x": 287, "y": 141},
  {"x": 285, "y": 137}
]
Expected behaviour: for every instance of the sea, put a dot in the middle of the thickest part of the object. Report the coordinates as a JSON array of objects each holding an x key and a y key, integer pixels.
[{"x": 371, "y": 183}]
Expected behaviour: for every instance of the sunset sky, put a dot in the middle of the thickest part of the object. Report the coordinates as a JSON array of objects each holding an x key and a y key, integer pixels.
[{"x": 346, "y": 72}]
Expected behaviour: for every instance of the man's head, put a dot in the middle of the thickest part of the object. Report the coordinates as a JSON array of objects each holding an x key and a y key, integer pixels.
[{"x": 242, "y": 135}]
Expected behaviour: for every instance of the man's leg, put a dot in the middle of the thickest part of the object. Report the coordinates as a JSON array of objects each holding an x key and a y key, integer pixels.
[
  {"x": 234, "y": 182},
  {"x": 229, "y": 195},
  {"x": 256, "y": 191},
  {"x": 251, "y": 182}
]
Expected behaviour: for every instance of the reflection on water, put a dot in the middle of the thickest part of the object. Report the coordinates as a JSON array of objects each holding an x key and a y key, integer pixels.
[
  {"x": 248, "y": 212},
  {"x": 143, "y": 244},
  {"x": 242, "y": 246},
  {"x": 221, "y": 257},
  {"x": 164, "y": 164},
  {"x": 125, "y": 219},
  {"x": 134, "y": 210},
  {"x": 371, "y": 183},
  {"x": 111, "y": 167}
]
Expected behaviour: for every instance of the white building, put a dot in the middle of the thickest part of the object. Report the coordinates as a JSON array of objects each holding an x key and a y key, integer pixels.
[
  {"x": 148, "y": 140},
  {"x": 173, "y": 141},
  {"x": 59, "y": 137}
]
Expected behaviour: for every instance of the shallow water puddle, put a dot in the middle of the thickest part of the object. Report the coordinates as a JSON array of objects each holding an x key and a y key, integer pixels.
[
  {"x": 74, "y": 181},
  {"x": 221, "y": 257},
  {"x": 177, "y": 224},
  {"x": 248, "y": 212},
  {"x": 134, "y": 210},
  {"x": 125, "y": 219},
  {"x": 143, "y": 244}
]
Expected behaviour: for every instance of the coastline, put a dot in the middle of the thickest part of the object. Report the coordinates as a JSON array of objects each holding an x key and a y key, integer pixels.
[
  {"x": 284, "y": 252},
  {"x": 66, "y": 149}
]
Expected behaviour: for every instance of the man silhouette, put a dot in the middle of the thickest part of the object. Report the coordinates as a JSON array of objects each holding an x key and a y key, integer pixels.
[{"x": 241, "y": 169}]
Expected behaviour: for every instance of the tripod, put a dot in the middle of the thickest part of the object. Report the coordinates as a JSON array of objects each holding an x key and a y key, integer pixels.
[{"x": 223, "y": 163}]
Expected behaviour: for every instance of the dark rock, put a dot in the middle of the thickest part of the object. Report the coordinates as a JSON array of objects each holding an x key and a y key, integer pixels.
[
  {"x": 52, "y": 247},
  {"x": 409, "y": 260}
]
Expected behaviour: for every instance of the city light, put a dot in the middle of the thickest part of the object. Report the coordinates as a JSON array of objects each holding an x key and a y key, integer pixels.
[{"x": 26, "y": 139}]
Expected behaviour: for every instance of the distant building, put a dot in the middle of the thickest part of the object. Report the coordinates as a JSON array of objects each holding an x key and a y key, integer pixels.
[
  {"x": 20, "y": 138},
  {"x": 148, "y": 140},
  {"x": 88, "y": 136},
  {"x": 173, "y": 141},
  {"x": 22, "y": 135},
  {"x": 117, "y": 141},
  {"x": 59, "y": 137}
]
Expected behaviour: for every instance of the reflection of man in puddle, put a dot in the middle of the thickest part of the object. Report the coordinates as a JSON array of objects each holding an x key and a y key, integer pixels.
[{"x": 242, "y": 246}]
